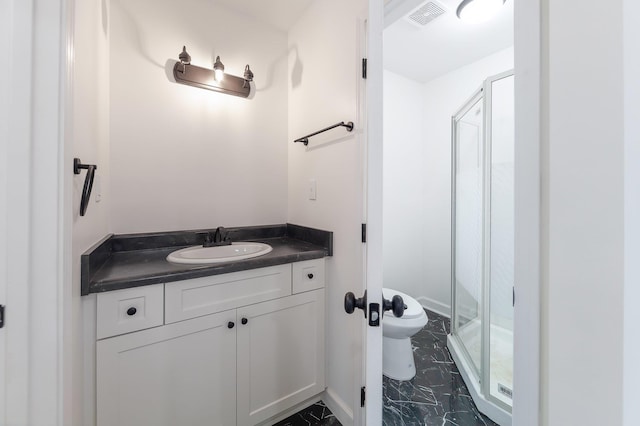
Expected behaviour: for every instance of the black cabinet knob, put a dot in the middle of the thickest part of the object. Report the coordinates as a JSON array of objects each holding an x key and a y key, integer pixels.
[
  {"x": 244, "y": 321},
  {"x": 230, "y": 324},
  {"x": 310, "y": 276},
  {"x": 131, "y": 311}
]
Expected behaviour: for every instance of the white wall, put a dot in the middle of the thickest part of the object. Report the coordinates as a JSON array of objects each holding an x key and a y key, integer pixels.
[
  {"x": 323, "y": 81},
  {"x": 631, "y": 392},
  {"x": 91, "y": 145},
  {"x": 186, "y": 157},
  {"x": 583, "y": 214},
  {"x": 442, "y": 98},
  {"x": 403, "y": 190}
]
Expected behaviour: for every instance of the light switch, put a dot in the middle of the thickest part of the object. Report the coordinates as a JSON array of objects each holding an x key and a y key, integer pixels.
[
  {"x": 312, "y": 189},
  {"x": 97, "y": 188}
]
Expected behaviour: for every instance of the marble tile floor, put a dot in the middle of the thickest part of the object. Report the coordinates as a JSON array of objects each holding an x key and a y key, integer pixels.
[
  {"x": 436, "y": 396},
  {"x": 317, "y": 414}
]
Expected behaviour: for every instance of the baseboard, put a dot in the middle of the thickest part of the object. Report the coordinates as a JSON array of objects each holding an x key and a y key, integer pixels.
[
  {"x": 338, "y": 407},
  {"x": 435, "y": 306}
]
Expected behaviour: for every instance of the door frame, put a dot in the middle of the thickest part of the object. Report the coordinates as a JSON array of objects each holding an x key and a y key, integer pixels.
[
  {"x": 528, "y": 72},
  {"x": 36, "y": 388},
  {"x": 631, "y": 368},
  {"x": 6, "y": 15},
  {"x": 16, "y": 121},
  {"x": 527, "y": 256},
  {"x": 40, "y": 33}
]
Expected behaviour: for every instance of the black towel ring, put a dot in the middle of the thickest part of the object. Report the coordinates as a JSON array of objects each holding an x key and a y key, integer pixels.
[{"x": 88, "y": 182}]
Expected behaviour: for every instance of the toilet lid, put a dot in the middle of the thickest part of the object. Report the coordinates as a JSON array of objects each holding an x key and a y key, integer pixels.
[{"x": 414, "y": 309}]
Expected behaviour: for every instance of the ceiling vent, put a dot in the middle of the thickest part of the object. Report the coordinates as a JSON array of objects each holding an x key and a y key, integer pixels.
[{"x": 425, "y": 13}]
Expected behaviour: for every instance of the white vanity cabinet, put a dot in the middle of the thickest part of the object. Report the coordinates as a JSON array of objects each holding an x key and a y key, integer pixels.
[
  {"x": 178, "y": 374},
  {"x": 247, "y": 356},
  {"x": 280, "y": 355}
]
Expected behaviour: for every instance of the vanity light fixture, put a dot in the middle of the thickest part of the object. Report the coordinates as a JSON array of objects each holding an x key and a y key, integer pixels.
[
  {"x": 478, "y": 10},
  {"x": 212, "y": 79}
]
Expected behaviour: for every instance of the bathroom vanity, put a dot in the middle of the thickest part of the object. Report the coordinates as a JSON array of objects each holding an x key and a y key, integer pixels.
[{"x": 224, "y": 348}]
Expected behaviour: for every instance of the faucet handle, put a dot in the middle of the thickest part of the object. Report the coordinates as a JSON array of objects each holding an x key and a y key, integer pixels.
[{"x": 208, "y": 238}]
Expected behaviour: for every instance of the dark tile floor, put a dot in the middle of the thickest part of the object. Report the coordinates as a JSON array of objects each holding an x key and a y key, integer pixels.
[
  {"x": 314, "y": 415},
  {"x": 436, "y": 396}
]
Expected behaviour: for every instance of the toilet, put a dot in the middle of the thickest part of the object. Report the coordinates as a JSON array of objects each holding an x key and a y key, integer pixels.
[{"x": 397, "y": 354}]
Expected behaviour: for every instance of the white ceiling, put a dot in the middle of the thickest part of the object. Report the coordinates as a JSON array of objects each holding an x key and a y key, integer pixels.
[
  {"x": 444, "y": 44},
  {"x": 281, "y": 14}
]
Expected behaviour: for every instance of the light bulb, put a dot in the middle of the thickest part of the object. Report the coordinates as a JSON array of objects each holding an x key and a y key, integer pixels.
[
  {"x": 478, "y": 10},
  {"x": 218, "y": 69}
]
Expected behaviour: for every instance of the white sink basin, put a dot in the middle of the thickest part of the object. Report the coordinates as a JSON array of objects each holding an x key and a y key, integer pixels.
[{"x": 219, "y": 254}]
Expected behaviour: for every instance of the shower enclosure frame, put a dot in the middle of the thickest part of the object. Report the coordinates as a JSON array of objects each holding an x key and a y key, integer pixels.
[{"x": 478, "y": 382}]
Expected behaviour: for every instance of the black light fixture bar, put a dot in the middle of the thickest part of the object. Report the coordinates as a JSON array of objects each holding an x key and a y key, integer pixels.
[
  {"x": 305, "y": 139},
  {"x": 193, "y": 75}
]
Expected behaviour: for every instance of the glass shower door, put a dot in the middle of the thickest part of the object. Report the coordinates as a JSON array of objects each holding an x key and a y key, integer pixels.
[
  {"x": 500, "y": 133},
  {"x": 481, "y": 339},
  {"x": 468, "y": 128}
]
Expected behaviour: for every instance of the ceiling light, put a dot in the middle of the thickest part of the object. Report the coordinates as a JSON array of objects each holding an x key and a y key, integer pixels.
[{"x": 478, "y": 10}]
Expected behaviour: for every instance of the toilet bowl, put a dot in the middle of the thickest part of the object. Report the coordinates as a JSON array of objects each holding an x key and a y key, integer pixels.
[{"x": 397, "y": 354}]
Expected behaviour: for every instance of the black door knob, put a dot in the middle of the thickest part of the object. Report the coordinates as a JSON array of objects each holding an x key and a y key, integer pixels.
[
  {"x": 244, "y": 321},
  {"x": 351, "y": 303},
  {"x": 131, "y": 311},
  {"x": 230, "y": 324},
  {"x": 396, "y": 305},
  {"x": 310, "y": 276}
]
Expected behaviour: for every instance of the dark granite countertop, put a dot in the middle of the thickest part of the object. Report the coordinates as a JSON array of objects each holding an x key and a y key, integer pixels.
[{"x": 124, "y": 261}]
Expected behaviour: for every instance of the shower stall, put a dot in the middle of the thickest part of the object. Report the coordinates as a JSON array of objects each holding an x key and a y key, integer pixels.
[{"x": 481, "y": 339}]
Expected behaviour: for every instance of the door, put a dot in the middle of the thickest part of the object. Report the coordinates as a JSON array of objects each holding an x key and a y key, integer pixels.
[
  {"x": 177, "y": 374},
  {"x": 500, "y": 225},
  {"x": 280, "y": 355},
  {"x": 3, "y": 244},
  {"x": 372, "y": 358},
  {"x": 3, "y": 267},
  {"x": 6, "y": 116},
  {"x": 368, "y": 351},
  {"x": 467, "y": 220}
]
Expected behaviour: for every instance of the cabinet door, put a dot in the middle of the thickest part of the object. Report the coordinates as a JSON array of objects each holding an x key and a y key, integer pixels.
[
  {"x": 280, "y": 355},
  {"x": 179, "y": 374}
]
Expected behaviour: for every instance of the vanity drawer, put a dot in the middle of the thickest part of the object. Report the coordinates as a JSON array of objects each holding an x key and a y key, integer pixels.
[
  {"x": 132, "y": 309},
  {"x": 207, "y": 295},
  {"x": 308, "y": 275}
]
